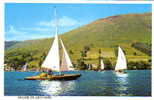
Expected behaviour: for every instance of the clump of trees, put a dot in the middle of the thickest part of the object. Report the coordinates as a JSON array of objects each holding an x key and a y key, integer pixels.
[
  {"x": 16, "y": 59},
  {"x": 140, "y": 65},
  {"x": 108, "y": 64},
  {"x": 85, "y": 51},
  {"x": 143, "y": 47},
  {"x": 81, "y": 65}
]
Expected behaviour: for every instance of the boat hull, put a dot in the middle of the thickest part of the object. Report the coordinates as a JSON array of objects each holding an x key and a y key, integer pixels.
[
  {"x": 55, "y": 77},
  {"x": 120, "y": 72}
]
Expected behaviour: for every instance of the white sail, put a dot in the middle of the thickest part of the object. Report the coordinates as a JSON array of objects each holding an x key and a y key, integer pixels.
[
  {"x": 52, "y": 60},
  {"x": 121, "y": 62},
  {"x": 66, "y": 61},
  {"x": 24, "y": 68},
  {"x": 102, "y": 64},
  {"x": 63, "y": 65}
]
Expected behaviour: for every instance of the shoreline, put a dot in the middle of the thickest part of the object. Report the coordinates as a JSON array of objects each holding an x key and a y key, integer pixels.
[{"x": 72, "y": 71}]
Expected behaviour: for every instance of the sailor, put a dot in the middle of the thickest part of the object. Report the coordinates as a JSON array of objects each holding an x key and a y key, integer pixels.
[{"x": 50, "y": 72}]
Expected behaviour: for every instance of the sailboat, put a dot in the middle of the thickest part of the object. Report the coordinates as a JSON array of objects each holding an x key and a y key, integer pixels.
[
  {"x": 102, "y": 65},
  {"x": 53, "y": 63},
  {"x": 121, "y": 64},
  {"x": 24, "y": 67}
]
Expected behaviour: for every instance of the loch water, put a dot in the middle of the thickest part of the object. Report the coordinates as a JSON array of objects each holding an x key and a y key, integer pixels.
[{"x": 91, "y": 83}]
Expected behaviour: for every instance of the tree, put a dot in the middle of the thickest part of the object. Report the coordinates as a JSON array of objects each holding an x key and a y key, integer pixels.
[
  {"x": 134, "y": 53},
  {"x": 99, "y": 57},
  {"x": 81, "y": 65},
  {"x": 84, "y": 51},
  {"x": 71, "y": 52},
  {"x": 108, "y": 64},
  {"x": 86, "y": 48}
]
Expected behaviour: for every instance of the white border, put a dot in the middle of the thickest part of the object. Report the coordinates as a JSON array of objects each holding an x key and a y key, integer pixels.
[
  {"x": 152, "y": 48},
  {"x": 77, "y": 1},
  {"x": 2, "y": 3},
  {"x": 1, "y": 49}
]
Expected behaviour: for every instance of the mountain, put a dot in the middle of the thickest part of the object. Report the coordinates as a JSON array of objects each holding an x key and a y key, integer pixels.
[
  {"x": 9, "y": 44},
  {"x": 103, "y": 35}
]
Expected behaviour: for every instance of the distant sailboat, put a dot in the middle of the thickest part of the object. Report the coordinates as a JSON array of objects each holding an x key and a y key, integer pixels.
[
  {"x": 102, "y": 65},
  {"x": 89, "y": 67},
  {"x": 24, "y": 67},
  {"x": 121, "y": 61},
  {"x": 52, "y": 62}
]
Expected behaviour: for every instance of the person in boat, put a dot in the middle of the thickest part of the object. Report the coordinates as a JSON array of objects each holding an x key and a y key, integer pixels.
[
  {"x": 121, "y": 71},
  {"x": 50, "y": 72},
  {"x": 43, "y": 74}
]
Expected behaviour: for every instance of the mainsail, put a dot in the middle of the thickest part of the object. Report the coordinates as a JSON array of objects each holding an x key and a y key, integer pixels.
[
  {"x": 121, "y": 62},
  {"x": 52, "y": 60},
  {"x": 102, "y": 64},
  {"x": 66, "y": 61}
]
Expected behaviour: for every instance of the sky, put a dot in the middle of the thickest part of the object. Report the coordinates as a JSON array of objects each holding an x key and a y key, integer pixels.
[{"x": 27, "y": 21}]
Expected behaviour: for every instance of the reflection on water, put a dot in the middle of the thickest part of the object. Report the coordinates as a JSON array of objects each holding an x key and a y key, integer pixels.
[
  {"x": 125, "y": 75},
  {"x": 122, "y": 80},
  {"x": 55, "y": 88}
]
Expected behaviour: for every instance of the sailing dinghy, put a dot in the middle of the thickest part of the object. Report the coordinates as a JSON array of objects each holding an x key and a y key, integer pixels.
[
  {"x": 121, "y": 64},
  {"x": 53, "y": 63},
  {"x": 24, "y": 68},
  {"x": 102, "y": 65}
]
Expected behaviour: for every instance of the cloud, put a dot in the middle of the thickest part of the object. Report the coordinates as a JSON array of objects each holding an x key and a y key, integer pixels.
[
  {"x": 12, "y": 30},
  {"x": 26, "y": 33},
  {"x": 64, "y": 21},
  {"x": 40, "y": 29},
  {"x": 26, "y": 37}
]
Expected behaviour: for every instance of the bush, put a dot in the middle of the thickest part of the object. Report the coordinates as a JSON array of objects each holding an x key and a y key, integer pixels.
[{"x": 108, "y": 65}]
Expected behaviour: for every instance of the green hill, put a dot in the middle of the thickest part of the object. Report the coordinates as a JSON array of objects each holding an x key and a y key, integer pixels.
[{"x": 103, "y": 35}]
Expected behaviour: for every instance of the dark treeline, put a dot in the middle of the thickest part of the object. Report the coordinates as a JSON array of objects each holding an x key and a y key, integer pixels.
[{"x": 143, "y": 47}]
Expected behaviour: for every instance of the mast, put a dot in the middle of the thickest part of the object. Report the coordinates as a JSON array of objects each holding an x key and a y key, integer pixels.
[
  {"x": 52, "y": 60},
  {"x": 56, "y": 21},
  {"x": 121, "y": 61}
]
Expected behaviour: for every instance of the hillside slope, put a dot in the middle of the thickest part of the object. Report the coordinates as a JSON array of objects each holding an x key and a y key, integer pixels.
[{"x": 103, "y": 34}]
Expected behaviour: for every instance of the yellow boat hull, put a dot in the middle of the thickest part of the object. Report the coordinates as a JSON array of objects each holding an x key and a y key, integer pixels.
[{"x": 55, "y": 77}]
